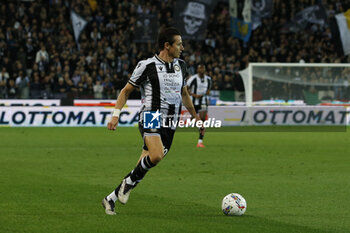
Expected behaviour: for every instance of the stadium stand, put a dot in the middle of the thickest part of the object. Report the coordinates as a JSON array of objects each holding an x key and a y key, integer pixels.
[{"x": 39, "y": 56}]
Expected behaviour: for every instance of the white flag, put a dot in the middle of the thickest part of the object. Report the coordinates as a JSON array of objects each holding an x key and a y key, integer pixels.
[
  {"x": 343, "y": 21},
  {"x": 78, "y": 24}
]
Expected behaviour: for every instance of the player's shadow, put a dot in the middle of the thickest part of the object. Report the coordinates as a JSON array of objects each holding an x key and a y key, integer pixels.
[{"x": 195, "y": 214}]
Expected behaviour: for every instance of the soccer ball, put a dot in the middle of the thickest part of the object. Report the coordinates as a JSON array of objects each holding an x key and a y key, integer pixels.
[{"x": 234, "y": 204}]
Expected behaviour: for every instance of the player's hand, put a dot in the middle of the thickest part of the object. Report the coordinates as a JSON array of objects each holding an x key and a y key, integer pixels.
[
  {"x": 196, "y": 96},
  {"x": 112, "y": 124}
]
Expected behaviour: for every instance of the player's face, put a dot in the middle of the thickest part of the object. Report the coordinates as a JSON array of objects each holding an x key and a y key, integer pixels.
[
  {"x": 201, "y": 69},
  {"x": 176, "y": 48}
]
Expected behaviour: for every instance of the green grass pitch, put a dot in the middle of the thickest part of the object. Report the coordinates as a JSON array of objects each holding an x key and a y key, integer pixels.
[{"x": 53, "y": 180}]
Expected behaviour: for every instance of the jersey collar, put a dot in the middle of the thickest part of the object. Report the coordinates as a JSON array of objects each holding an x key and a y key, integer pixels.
[
  {"x": 169, "y": 66},
  {"x": 159, "y": 59}
]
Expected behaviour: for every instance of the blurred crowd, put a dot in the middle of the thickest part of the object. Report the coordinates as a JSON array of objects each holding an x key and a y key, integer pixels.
[{"x": 39, "y": 57}]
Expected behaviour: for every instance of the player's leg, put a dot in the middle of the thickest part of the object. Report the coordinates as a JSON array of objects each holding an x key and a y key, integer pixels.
[
  {"x": 155, "y": 148},
  {"x": 143, "y": 154},
  {"x": 109, "y": 201},
  {"x": 113, "y": 195},
  {"x": 148, "y": 160},
  {"x": 202, "y": 116},
  {"x": 200, "y": 141},
  {"x": 157, "y": 145},
  {"x": 153, "y": 152}
]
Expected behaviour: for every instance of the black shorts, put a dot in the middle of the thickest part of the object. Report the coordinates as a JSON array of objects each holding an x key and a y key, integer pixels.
[
  {"x": 201, "y": 108},
  {"x": 166, "y": 135}
]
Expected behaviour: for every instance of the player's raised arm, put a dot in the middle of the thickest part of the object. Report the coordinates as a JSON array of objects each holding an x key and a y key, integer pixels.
[{"x": 121, "y": 100}]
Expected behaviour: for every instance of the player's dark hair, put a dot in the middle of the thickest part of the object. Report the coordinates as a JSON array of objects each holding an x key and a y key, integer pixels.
[
  {"x": 166, "y": 35},
  {"x": 201, "y": 64}
]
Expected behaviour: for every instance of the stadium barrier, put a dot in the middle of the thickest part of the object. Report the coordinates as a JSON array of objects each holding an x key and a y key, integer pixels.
[
  {"x": 106, "y": 103},
  {"x": 30, "y": 102},
  {"x": 57, "y": 102},
  {"x": 52, "y": 116}
]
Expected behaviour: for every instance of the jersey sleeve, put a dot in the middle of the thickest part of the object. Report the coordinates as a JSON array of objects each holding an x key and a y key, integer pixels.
[
  {"x": 210, "y": 83},
  {"x": 138, "y": 76},
  {"x": 184, "y": 71},
  {"x": 190, "y": 80}
]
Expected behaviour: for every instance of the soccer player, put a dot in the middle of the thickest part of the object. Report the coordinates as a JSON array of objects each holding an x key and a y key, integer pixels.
[
  {"x": 199, "y": 86},
  {"x": 162, "y": 82}
]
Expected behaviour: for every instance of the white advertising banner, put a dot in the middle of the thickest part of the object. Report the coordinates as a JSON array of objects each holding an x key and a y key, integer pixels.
[
  {"x": 64, "y": 116},
  {"x": 281, "y": 115},
  {"x": 229, "y": 116}
]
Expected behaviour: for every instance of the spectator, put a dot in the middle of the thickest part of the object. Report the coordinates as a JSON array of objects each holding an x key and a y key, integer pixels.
[
  {"x": 98, "y": 90},
  {"x": 80, "y": 90},
  {"x": 4, "y": 76},
  {"x": 35, "y": 87},
  {"x": 36, "y": 36},
  {"x": 72, "y": 91},
  {"x": 22, "y": 84},
  {"x": 60, "y": 89},
  {"x": 88, "y": 89},
  {"x": 227, "y": 83},
  {"x": 11, "y": 89},
  {"x": 6, "y": 63},
  {"x": 42, "y": 58},
  {"x": 108, "y": 89},
  {"x": 30, "y": 52},
  {"x": 46, "y": 87}
]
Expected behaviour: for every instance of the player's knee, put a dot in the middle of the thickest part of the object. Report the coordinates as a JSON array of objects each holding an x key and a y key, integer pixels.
[{"x": 157, "y": 157}]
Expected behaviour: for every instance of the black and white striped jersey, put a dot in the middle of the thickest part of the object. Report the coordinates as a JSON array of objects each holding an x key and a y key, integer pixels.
[
  {"x": 199, "y": 86},
  {"x": 161, "y": 85}
]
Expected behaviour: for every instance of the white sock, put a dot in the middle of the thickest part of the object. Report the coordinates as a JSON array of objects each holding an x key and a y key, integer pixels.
[
  {"x": 129, "y": 181},
  {"x": 112, "y": 196},
  {"x": 200, "y": 141}
]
